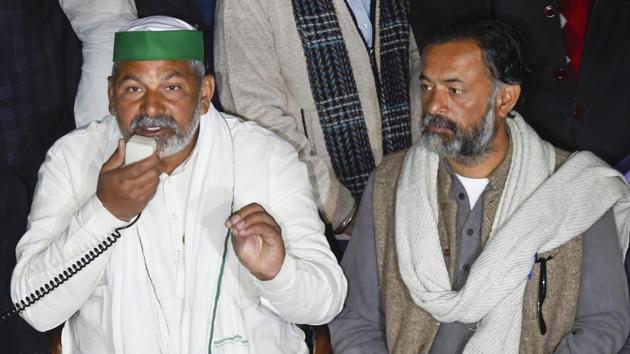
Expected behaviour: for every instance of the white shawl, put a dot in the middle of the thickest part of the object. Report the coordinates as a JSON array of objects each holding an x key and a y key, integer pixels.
[
  {"x": 539, "y": 210},
  {"x": 138, "y": 323}
]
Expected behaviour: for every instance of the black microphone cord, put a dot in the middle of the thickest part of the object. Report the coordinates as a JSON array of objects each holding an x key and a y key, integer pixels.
[{"x": 67, "y": 273}]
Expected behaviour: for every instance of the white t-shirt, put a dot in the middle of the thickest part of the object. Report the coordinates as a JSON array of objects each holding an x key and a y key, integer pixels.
[{"x": 474, "y": 188}]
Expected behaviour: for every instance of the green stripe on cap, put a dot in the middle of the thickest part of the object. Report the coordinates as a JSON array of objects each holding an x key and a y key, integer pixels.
[{"x": 158, "y": 45}]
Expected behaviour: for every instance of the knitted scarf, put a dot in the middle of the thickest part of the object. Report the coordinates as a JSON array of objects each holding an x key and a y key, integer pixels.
[
  {"x": 335, "y": 92},
  {"x": 539, "y": 210}
]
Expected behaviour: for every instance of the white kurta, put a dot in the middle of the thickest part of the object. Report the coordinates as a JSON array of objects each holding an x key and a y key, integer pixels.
[{"x": 67, "y": 220}]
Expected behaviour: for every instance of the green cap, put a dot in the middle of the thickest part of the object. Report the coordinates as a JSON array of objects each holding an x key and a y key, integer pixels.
[{"x": 158, "y": 45}]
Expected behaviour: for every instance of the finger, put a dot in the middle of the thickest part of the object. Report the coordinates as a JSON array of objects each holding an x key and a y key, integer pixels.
[
  {"x": 139, "y": 168},
  {"x": 268, "y": 233},
  {"x": 141, "y": 192},
  {"x": 259, "y": 217},
  {"x": 148, "y": 178},
  {"x": 145, "y": 183},
  {"x": 117, "y": 159},
  {"x": 148, "y": 191},
  {"x": 243, "y": 213},
  {"x": 150, "y": 175}
]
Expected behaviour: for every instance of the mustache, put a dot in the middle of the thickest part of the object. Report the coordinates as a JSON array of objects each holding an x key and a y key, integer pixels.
[
  {"x": 439, "y": 121},
  {"x": 154, "y": 122}
]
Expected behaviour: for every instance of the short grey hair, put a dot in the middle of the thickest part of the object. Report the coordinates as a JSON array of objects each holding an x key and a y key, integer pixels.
[{"x": 199, "y": 69}]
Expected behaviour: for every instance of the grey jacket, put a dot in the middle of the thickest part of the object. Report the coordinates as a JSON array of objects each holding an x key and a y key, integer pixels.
[{"x": 602, "y": 315}]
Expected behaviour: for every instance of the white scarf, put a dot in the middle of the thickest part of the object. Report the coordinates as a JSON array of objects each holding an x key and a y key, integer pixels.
[
  {"x": 539, "y": 210},
  {"x": 138, "y": 323}
]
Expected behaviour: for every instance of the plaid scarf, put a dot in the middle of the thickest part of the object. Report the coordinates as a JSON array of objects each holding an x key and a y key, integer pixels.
[{"x": 335, "y": 91}]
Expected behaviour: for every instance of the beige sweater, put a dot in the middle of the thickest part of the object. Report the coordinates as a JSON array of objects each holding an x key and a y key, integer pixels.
[{"x": 261, "y": 75}]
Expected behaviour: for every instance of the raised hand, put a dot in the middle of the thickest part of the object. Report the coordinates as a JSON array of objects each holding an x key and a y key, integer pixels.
[
  {"x": 257, "y": 241},
  {"x": 126, "y": 190}
]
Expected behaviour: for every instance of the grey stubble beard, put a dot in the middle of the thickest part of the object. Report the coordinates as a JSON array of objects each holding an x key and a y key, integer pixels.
[{"x": 468, "y": 148}]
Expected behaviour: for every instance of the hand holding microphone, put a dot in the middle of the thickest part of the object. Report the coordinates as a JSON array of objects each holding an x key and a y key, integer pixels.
[{"x": 129, "y": 179}]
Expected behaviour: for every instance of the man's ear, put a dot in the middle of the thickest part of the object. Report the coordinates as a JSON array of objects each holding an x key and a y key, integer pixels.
[
  {"x": 207, "y": 90},
  {"x": 507, "y": 98},
  {"x": 110, "y": 95}
]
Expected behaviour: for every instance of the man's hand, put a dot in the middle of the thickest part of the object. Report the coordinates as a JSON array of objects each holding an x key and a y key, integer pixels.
[
  {"x": 126, "y": 190},
  {"x": 257, "y": 241}
]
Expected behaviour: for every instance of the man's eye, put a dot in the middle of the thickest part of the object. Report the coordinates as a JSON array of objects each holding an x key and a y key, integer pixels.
[
  {"x": 424, "y": 87},
  {"x": 456, "y": 91},
  {"x": 133, "y": 89},
  {"x": 172, "y": 87}
]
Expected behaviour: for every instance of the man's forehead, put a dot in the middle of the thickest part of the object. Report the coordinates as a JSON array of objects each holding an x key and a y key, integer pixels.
[
  {"x": 159, "y": 69},
  {"x": 460, "y": 58}
]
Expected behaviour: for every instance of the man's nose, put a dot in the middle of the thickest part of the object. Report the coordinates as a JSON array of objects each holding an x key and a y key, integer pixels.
[
  {"x": 435, "y": 103},
  {"x": 152, "y": 105}
]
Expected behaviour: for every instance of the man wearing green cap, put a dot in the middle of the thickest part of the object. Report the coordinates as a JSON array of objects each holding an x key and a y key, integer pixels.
[{"x": 212, "y": 243}]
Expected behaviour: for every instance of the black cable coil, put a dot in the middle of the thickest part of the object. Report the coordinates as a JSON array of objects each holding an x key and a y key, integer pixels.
[{"x": 67, "y": 273}]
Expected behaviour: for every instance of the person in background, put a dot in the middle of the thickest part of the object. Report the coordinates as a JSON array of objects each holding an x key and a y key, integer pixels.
[
  {"x": 331, "y": 77},
  {"x": 483, "y": 237},
  {"x": 95, "y": 23}
]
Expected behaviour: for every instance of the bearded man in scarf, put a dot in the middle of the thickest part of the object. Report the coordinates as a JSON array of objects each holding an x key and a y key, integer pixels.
[{"x": 484, "y": 238}]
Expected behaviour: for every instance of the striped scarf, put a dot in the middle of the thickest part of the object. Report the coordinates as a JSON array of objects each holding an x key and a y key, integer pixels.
[{"x": 335, "y": 92}]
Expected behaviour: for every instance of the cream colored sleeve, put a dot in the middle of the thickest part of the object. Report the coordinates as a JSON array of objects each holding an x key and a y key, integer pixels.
[{"x": 251, "y": 85}]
